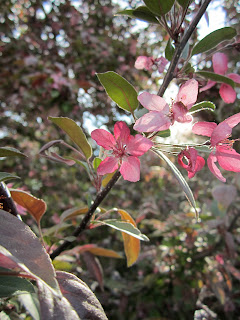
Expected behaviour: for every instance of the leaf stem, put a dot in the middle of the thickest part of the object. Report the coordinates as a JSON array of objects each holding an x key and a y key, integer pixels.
[
  {"x": 179, "y": 48},
  {"x": 99, "y": 198}
]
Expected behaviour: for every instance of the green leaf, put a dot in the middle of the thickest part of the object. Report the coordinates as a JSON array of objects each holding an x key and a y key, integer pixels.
[
  {"x": 216, "y": 77},
  {"x": 10, "y": 152},
  {"x": 12, "y": 285},
  {"x": 141, "y": 13},
  {"x": 74, "y": 132},
  {"x": 164, "y": 133},
  {"x": 96, "y": 162},
  {"x": 184, "y": 3},
  {"x": 204, "y": 105},
  {"x": 213, "y": 39},
  {"x": 7, "y": 176},
  {"x": 119, "y": 90},
  {"x": 159, "y": 7},
  {"x": 125, "y": 227},
  {"x": 169, "y": 50},
  {"x": 181, "y": 180}
]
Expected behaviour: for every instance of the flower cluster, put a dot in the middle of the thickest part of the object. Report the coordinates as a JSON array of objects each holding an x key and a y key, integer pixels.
[{"x": 144, "y": 62}]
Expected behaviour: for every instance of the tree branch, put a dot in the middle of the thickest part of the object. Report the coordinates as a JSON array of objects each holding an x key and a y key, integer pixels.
[
  {"x": 179, "y": 48},
  {"x": 99, "y": 198}
]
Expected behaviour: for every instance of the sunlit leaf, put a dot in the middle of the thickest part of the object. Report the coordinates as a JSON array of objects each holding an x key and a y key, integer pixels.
[
  {"x": 180, "y": 178},
  {"x": 74, "y": 132},
  {"x": 107, "y": 178},
  {"x": 131, "y": 244},
  {"x": 10, "y": 152},
  {"x": 97, "y": 251},
  {"x": 164, "y": 133},
  {"x": 141, "y": 13},
  {"x": 73, "y": 212},
  {"x": 4, "y": 176},
  {"x": 96, "y": 162},
  {"x": 159, "y": 7},
  {"x": 213, "y": 39},
  {"x": 125, "y": 227},
  {"x": 119, "y": 90},
  {"x": 216, "y": 77},
  {"x": 204, "y": 105},
  {"x": 36, "y": 207}
]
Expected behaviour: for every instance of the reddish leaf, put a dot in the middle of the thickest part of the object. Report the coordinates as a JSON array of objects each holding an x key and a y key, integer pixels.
[
  {"x": 36, "y": 207},
  {"x": 94, "y": 267},
  {"x": 19, "y": 244},
  {"x": 97, "y": 251},
  {"x": 80, "y": 297},
  {"x": 131, "y": 244}
]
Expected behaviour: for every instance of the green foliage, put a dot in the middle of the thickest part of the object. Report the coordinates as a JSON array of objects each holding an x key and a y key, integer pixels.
[
  {"x": 119, "y": 90},
  {"x": 216, "y": 77},
  {"x": 159, "y": 7},
  {"x": 203, "y": 105},
  {"x": 141, "y": 13},
  {"x": 213, "y": 39}
]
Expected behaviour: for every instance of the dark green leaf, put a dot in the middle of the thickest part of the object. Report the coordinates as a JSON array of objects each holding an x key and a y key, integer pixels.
[
  {"x": 184, "y": 3},
  {"x": 4, "y": 176},
  {"x": 180, "y": 178},
  {"x": 125, "y": 227},
  {"x": 141, "y": 13},
  {"x": 216, "y": 77},
  {"x": 213, "y": 39},
  {"x": 204, "y": 105},
  {"x": 119, "y": 90},
  {"x": 12, "y": 285},
  {"x": 159, "y": 7},
  {"x": 10, "y": 152},
  {"x": 169, "y": 50},
  {"x": 74, "y": 132},
  {"x": 164, "y": 133}
]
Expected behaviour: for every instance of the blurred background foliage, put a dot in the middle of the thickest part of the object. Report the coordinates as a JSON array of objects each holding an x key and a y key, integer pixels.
[{"x": 50, "y": 52}]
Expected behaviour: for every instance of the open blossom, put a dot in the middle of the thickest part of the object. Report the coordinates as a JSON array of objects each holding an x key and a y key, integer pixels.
[
  {"x": 222, "y": 147},
  {"x": 125, "y": 150},
  {"x": 220, "y": 66},
  {"x": 161, "y": 116},
  {"x": 144, "y": 62},
  {"x": 194, "y": 162}
]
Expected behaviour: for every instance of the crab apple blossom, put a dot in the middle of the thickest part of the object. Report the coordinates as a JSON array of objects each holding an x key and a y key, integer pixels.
[
  {"x": 144, "y": 62},
  {"x": 222, "y": 147},
  {"x": 220, "y": 66},
  {"x": 125, "y": 150},
  {"x": 161, "y": 116},
  {"x": 194, "y": 162}
]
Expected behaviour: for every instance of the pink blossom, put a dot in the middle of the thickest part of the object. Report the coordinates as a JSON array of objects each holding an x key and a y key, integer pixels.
[
  {"x": 125, "y": 151},
  {"x": 194, "y": 162},
  {"x": 144, "y": 62},
  {"x": 220, "y": 66},
  {"x": 222, "y": 147},
  {"x": 161, "y": 116}
]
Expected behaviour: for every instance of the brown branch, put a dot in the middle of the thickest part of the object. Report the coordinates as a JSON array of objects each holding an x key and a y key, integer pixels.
[{"x": 99, "y": 198}]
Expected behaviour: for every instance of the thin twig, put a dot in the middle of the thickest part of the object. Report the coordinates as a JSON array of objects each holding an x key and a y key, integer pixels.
[{"x": 99, "y": 198}]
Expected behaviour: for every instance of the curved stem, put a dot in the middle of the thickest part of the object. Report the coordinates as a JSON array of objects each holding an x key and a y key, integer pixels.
[
  {"x": 179, "y": 48},
  {"x": 99, "y": 198}
]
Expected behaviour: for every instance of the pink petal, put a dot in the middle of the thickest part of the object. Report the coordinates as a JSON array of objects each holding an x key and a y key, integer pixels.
[
  {"x": 130, "y": 169},
  {"x": 199, "y": 165},
  {"x": 233, "y": 120},
  {"x": 220, "y": 63},
  {"x": 221, "y": 132},
  {"x": 153, "y": 102},
  {"x": 227, "y": 93},
  {"x": 141, "y": 62},
  {"x": 103, "y": 138},
  {"x": 161, "y": 62},
  {"x": 213, "y": 168},
  {"x": 204, "y": 128},
  {"x": 108, "y": 165},
  {"x": 180, "y": 113},
  {"x": 195, "y": 162},
  {"x": 152, "y": 121},
  {"x": 138, "y": 145},
  {"x": 235, "y": 77},
  {"x": 228, "y": 158},
  {"x": 121, "y": 132},
  {"x": 209, "y": 85},
  {"x": 188, "y": 93}
]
